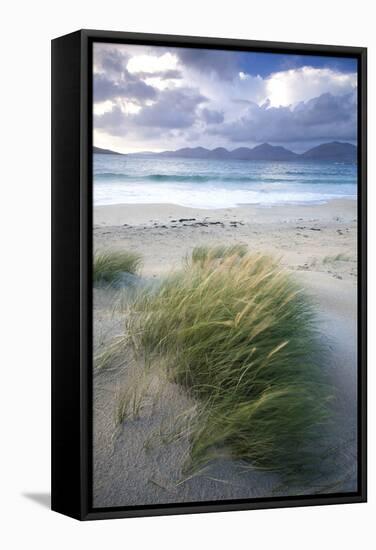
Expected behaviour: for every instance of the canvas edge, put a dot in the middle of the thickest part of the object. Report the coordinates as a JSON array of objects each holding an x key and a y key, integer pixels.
[{"x": 83, "y": 420}]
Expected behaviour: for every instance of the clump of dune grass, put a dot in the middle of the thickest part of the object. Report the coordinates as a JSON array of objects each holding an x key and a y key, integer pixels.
[
  {"x": 204, "y": 253},
  {"x": 239, "y": 335},
  {"x": 131, "y": 399},
  {"x": 110, "y": 265},
  {"x": 111, "y": 357},
  {"x": 337, "y": 258}
]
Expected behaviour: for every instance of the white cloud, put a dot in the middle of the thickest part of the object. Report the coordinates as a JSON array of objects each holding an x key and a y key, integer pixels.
[
  {"x": 162, "y": 83},
  {"x": 101, "y": 107},
  {"x": 128, "y": 107},
  {"x": 281, "y": 89},
  {"x": 152, "y": 63},
  {"x": 289, "y": 87},
  {"x": 324, "y": 118}
]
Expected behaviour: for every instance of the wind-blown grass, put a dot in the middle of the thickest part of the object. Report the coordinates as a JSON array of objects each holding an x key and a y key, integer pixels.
[
  {"x": 338, "y": 258},
  {"x": 108, "y": 266},
  {"x": 204, "y": 253},
  {"x": 237, "y": 332}
]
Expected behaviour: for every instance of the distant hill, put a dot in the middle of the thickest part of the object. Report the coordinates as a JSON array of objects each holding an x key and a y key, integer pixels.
[
  {"x": 335, "y": 151},
  {"x": 187, "y": 152},
  {"x": 263, "y": 152},
  {"x": 219, "y": 153},
  {"x": 100, "y": 151}
]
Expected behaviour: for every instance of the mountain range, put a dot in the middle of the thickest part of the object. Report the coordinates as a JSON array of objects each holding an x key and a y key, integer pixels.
[
  {"x": 334, "y": 151},
  {"x": 100, "y": 151}
]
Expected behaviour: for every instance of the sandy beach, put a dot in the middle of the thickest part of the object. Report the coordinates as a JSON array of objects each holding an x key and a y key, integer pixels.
[
  {"x": 302, "y": 236},
  {"x": 317, "y": 244}
]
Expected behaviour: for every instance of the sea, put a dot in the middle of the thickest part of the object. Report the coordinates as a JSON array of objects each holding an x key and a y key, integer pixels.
[{"x": 209, "y": 184}]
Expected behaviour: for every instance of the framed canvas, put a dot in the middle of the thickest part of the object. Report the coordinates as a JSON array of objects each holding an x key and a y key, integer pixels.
[{"x": 208, "y": 274}]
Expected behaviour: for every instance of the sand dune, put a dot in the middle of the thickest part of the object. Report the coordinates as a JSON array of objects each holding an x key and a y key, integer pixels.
[{"x": 317, "y": 243}]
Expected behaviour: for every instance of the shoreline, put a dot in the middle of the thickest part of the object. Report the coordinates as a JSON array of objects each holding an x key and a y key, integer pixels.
[{"x": 114, "y": 214}]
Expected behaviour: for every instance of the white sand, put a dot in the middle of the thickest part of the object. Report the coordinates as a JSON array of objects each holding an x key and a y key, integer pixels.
[
  {"x": 302, "y": 235},
  {"x": 127, "y": 470}
]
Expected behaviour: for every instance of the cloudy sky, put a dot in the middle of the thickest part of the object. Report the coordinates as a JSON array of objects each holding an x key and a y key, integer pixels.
[{"x": 158, "y": 98}]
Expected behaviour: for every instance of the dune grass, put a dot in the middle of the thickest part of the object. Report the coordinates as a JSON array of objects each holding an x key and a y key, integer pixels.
[
  {"x": 337, "y": 258},
  {"x": 109, "y": 265},
  {"x": 237, "y": 332},
  {"x": 219, "y": 252}
]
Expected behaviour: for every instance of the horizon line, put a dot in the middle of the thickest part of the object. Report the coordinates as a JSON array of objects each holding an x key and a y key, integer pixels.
[{"x": 228, "y": 150}]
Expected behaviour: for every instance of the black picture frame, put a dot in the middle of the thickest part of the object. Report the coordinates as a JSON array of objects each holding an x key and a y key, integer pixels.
[{"x": 71, "y": 273}]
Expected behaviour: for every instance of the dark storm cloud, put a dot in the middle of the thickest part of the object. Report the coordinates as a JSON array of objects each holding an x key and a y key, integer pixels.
[
  {"x": 224, "y": 64},
  {"x": 130, "y": 87},
  {"x": 114, "y": 60},
  {"x": 324, "y": 117},
  {"x": 113, "y": 122},
  {"x": 211, "y": 116},
  {"x": 115, "y": 81},
  {"x": 327, "y": 109},
  {"x": 176, "y": 108}
]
